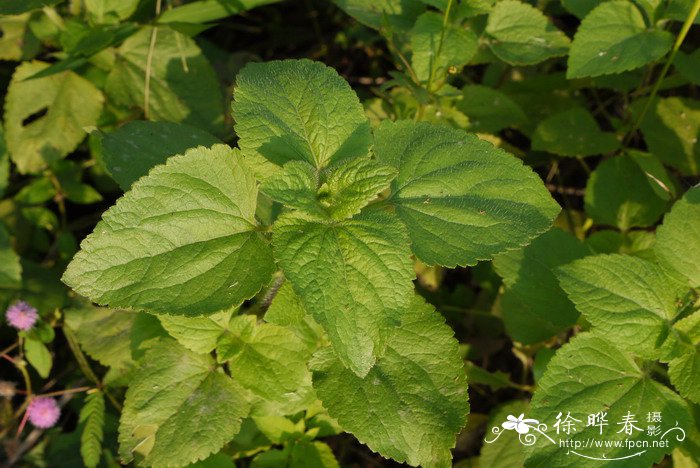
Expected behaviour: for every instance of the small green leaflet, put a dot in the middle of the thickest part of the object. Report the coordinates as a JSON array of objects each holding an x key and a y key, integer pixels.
[
  {"x": 619, "y": 193},
  {"x": 489, "y": 110},
  {"x": 413, "y": 402},
  {"x": 437, "y": 48},
  {"x": 294, "y": 186},
  {"x": 343, "y": 189},
  {"x": 521, "y": 35},
  {"x": 462, "y": 199},
  {"x": 44, "y": 118},
  {"x": 288, "y": 311},
  {"x": 534, "y": 307},
  {"x": 198, "y": 334},
  {"x": 17, "y": 42},
  {"x": 183, "y": 85},
  {"x": 684, "y": 371},
  {"x": 614, "y": 38},
  {"x": 628, "y": 299},
  {"x": 39, "y": 356},
  {"x": 138, "y": 146},
  {"x": 351, "y": 185},
  {"x": 671, "y": 129},
  {"x": 270, "y": 361},
  {"x": 297, "y": 110},
  {"x": 179, "y": 408},
  {"x": 677, "y": 247},
  {"x": 179, "y": 241},
  {"x": 573, "y": 132},
  {"x": 353, "y": 276},
  {"x": 10, "y": 267},
  {"x": 588, "y": 375},
  {"x": 92, "y": 419}
]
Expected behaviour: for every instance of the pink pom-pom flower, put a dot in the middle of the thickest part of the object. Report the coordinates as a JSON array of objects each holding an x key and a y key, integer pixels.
[
  {"x": 43, "y": 412},
  {"x": 21, "y": 315}
]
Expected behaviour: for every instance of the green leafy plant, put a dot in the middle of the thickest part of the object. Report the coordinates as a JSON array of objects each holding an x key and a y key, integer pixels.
[{"x": 465, "y": 233}]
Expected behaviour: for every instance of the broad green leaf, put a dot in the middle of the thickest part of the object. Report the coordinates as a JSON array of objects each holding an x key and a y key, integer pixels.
[
  {"x": 39, "y": 356},
  {"x": 436, "y": 48},
  {"x": 521, "y": 35},
  {"x": 618, "y": 193},
  {"x": 688, "y": 65},
  {"x": 294, "y": 186},
  {"x": 637, "y": 243},
  {"x": 138, "y": 146},
  {"x": 10, "y": 267},
  {"x": 462, "y": 199},
  {"x": 179, "y": 408},
  {"x": 489, "y": 110},
  {"x": 580, "y": 8},
  {"x": 92, "y": 419},
  {"x": 684, "y": 371},
  {"x": 270, "y": 361},
  {"x": 17, "y": 42},
  {"x": 110, "y": 11},
  {"x": 627, "y": 299},
  {"x": 205, "y": 11},
  {"x": 506, "y": 451},
  {"x": 309, "y": 113},
  {"x": 671, "y": 129},
  {"x": 614, "y": 38},
  {"x": 350, "y": 186},
  {"x": 180, "y": 241},
  {"x": 279, "y": 429},
  {"x": 315, "y": 454},
  {"x": 219, "y": 460},
  {"x": 103, "y": 333},
  {"x": 679, "y": 10},
  {"x": 288, "y": 311},
  {"x": 45, "y": 118},
  {"x": 590, "y": 375},
  {"x": 183, "y": 85},
  {"x": 4, "y": 163},
  {"x": 573, "y": 133},
  {"x": 15, "y": 7},
  {"x": 677, "y": 246},
  {"x": 413, "y": 402},
  {"x": 378, "y": 14},
  {"x": 198, "y": 334},
  {"x": 353, "y": 276},
  {"x": 534, "y": 307},
  {"x": 657, "y": 175}
]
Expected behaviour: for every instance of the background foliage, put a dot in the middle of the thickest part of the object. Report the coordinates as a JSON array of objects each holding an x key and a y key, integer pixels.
[{"x": 597, "y": 100}]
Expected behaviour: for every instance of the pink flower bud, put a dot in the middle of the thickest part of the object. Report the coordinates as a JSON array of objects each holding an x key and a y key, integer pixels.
[
  {"x": 43, "y": 412},
  {"x": 21, "y": 315}
]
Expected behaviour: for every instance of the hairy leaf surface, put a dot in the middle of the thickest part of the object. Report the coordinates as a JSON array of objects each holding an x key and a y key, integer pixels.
[
  {"x": 179, "y": 408},
  {"x": 413, "y": 402},
  {"x": 297, "y": 110},
  {"x": 588, "y": 375},
  {"x": 180, "y": 241},
  {"x": 462, "y": 199},
  {"x": 353, "y": 276}
]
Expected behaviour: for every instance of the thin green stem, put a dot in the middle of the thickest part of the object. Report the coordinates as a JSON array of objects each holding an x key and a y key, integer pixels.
[
  {"x": 676, "y": 46},
  {"x": 433, "y": 68}
]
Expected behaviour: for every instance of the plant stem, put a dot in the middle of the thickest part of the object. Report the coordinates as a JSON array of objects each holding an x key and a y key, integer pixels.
[
  {"x": 433, "y": 69},
  {"x": 676, "y": 46}
]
